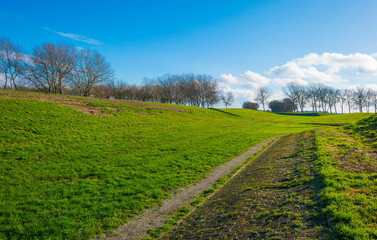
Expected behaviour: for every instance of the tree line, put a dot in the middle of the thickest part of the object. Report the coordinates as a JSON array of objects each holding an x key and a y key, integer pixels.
[
  {"x": 53, "y": 68},
  {"x": 200, "y": 90},
  {"x": 64, "y": 69},
  {"x": 320, "y": 98}
]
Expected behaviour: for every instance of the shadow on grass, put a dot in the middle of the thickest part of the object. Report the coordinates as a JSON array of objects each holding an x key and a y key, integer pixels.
[
  {"x": 308, "y": 114},
  {"x": 326, "y": 124},
  {"x": 215, "y": 109}
]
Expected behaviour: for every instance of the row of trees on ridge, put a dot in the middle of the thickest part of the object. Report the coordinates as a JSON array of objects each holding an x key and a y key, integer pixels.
[
  {"x": 65, "y": 69},
  {"x": 319, "y": 98}
]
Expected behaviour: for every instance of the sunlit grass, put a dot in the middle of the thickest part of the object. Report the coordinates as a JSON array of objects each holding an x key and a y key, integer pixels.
[
  {"x": 350, "y": 180},
  {"x": 65, "y": 174}
]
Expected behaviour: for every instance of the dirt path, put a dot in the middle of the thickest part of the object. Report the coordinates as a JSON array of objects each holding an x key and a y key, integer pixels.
[
  {"x": 273, "y": 197},
  {"x": 153, "y": 218}
]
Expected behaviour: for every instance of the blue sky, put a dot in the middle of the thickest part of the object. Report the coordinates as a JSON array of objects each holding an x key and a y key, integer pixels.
[{"x": 243, "y": 43}]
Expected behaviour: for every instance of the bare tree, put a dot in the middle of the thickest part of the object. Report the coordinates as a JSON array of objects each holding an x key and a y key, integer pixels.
[
  {"x": 91, "y": 69},
  {"x": 227, "y": 99},
  {"x": 349, "y": 99},
  {"x": 297, "y": 93},
  {"x": 50, "y": 66},
  {"x": 11, "y": 63},
  {"x": 263, "y": 94},
  {"x": 198, "y": 90},
  {"x": 332, "y": 98},
  {"x": 336, "y": 98},
  {"x": 368, "y": 98},
  {"x": 374, "y": 100},
  {"x": 343, "y": 99},
  {"x": 211, "y": 91},
  {"x": 359, "y": 97},
  {"x": 312, "y": 95}
]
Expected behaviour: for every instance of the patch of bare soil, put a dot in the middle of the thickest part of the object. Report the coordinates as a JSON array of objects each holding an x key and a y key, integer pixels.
[
  {"x": 273, "y": 197},
  {"x": 81, "y": 104},
  {"x": 351, "y": 156},
  {"x": 154, "y": 218}
]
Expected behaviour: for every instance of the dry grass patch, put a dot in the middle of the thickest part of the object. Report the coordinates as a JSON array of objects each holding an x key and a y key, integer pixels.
[
  {"x": 83, "y": 104},
  {"x": 350, "y": 154}
]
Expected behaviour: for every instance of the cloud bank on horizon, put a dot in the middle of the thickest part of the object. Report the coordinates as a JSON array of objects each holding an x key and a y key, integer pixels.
[{"x": 332, "y": 69}]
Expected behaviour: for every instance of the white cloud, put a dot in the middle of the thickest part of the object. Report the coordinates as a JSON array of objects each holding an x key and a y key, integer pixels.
[
  {"x": 80, "y": 38},
  {"x": 277, "y": 96},
  {"x": 372, "y": 86},
  {"x": 241, "y": 95},
  {"x": 76, "y": 37},
  {"x": 253, "y": 80},
  {"x": 244, "y": 93},
  {"x": 249, "y": 80},
  {"x": 332, "y": 69},
  {"x": 284, "y": 81},
  {"x": 362, "y": 63},
  {"x": 299, "y": 73},
  {"x": 228, "y": 79}
]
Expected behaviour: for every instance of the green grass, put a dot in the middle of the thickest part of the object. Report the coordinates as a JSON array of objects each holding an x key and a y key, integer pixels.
[
  {"x": 349, "y": 180},
  {"x": 65, "y": 174},
  {"x": 365, "y": 129}
]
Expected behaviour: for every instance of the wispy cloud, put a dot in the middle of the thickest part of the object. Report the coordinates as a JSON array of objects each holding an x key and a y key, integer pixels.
[{"x": 76, "y": 37}]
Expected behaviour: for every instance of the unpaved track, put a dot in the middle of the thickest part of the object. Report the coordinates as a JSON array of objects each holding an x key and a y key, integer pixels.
[
  {"x": 153, "y": 218},
  {"x": 275, "y": 196}
]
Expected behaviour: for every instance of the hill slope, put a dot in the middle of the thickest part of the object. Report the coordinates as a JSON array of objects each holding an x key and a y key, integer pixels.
[{"x": 73, "y": 167}]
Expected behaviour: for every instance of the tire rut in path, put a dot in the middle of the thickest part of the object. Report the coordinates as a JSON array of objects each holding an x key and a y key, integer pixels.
[
  {"x": 273, "y": 197},
  {"x": 137, "y": 227}
]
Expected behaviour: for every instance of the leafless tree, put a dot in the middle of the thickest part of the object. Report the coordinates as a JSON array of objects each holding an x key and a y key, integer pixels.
[
  {"x": 91, "y": 69},
  {"x": 227, "y": 99},
  {"x": 342, "y": 99},
  {"x": 297, "y": 93},
  {"x": 11, "y": 63},
  {"x": 187, "y": 89},
  {"x": 312, "y": 96},
  {"x": 359, "y": 97},
  {"x": 332, "y": 98},
  {"x": 349, "y": 99},
  {"x": 263, "y": 94},
  {"x": 336, "y": 98},
  {"x": 368, "y": 99},
  {"x": 50, "y": 66},
  {"x": 374, "y": 100}
]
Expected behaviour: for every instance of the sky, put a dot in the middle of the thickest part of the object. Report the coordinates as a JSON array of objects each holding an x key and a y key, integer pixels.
[{"x": 242, "y": 43}]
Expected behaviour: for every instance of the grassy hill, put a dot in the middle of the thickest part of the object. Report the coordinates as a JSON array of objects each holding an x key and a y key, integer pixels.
[
  {"x": 347, "y": 163},
  {"x": 72, "y": 167}
]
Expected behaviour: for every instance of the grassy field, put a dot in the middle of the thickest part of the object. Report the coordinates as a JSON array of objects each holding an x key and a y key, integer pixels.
[
  {"x": 71, "y": 167},
  {"x": 347, "y": 163},
  {"x": 313, "y": 185}
]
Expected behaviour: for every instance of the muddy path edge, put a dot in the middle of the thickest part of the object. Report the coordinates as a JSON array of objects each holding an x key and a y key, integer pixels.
[{"x": 154, "y": 218}]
